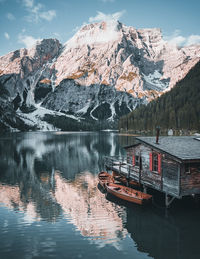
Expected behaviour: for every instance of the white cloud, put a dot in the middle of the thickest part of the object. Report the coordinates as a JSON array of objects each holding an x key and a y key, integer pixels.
[
  {"x": 106, "y": 17},
  {"x": 102, "y": 17},
  {"x": 28, "y": 3},
  {"x": 193, "y": 39},
  {"x": 7, "y": 36},
  {"x": 177, "y": 39},
  {"x": 98, "y": 33},
  {"x": 10, "y": 16},
  {"x": 27, "y": 40},
  {"x": 37, "y": 12},
  {"x": 48, "y": 15}
]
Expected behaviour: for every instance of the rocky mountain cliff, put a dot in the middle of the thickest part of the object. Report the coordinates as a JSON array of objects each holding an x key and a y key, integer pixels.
[{"x": 104, "y": 71}]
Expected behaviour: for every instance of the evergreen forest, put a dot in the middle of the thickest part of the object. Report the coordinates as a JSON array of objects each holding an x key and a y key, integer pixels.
[{"x": 177, "y": 109}]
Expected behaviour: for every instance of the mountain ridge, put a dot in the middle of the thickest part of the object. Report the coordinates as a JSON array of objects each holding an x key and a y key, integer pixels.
[{"x": 137, "y": 64}]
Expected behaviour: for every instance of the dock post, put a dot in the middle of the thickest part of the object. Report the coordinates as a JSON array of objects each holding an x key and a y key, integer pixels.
[
  {"x": 144, "y": 189},
  {"x": 128, "y": 176},
  {"x": 168, "y": 200},
  {"x": 140, "y": 169}
]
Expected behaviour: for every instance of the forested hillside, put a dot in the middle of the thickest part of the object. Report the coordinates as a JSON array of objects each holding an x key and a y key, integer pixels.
[{"x": 178, "y": 109}]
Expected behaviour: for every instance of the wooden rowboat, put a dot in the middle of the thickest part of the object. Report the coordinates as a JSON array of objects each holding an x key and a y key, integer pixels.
[
  {"x": 127, "y": 193},
  {"x": 123, "y": 180},
  {"x": 105, "y": 178}
]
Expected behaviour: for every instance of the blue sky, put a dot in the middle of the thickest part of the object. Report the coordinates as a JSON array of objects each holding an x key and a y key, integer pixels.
[{"x": 24, "y": 21}]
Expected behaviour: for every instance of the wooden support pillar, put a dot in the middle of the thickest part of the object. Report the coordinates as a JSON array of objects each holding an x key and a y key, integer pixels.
[
  {"x": 128, "y": 176},
  {"x": 179, "y": 179},
  {"x": 168, "y": 200},
  {"x": 140, "y": 169},
  {"x": 144, "y": 189},
  {"x": 129, "y": 172}
]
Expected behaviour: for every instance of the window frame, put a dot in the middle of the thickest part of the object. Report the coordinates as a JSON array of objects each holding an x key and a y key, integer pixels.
[
  {"x": 137, "y": 160},
  {"x": 155, "y": 162}
]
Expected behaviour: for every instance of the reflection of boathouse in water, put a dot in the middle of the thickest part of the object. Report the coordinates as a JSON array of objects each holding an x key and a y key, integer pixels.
[
  {"x": 170, "y": 165},
  {"x": 165, "y": 236}
]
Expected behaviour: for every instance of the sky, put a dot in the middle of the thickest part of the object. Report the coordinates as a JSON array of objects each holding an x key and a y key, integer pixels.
[{"x": 23, "y": 22}]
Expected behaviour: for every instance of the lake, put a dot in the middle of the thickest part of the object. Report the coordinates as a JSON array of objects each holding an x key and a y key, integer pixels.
[{"x": 51, "y": 206}]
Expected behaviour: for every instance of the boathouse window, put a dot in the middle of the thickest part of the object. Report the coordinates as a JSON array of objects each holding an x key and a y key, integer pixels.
[
  {"x": 155, "y": 162},
  {"x": 187, "y": 168},
  {"x": 137, "y": 160}
]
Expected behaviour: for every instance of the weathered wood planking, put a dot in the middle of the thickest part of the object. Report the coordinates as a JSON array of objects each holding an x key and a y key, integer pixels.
[
  {"x": 167, "y": 181},
  {"x": 170, "y": 176},
  {"x": 190, "y": 181},
  {"x": 172, "y": 179}
]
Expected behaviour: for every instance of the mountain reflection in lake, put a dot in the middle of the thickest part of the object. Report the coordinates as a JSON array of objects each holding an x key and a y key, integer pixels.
[
  {"x": 50, "y": 205},
  {"x": 88, "y": 210}
]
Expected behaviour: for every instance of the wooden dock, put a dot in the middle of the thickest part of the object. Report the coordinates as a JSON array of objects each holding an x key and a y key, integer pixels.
[
  {"x": 120, "y": 166},
  {"x": 171, "y": 166}
]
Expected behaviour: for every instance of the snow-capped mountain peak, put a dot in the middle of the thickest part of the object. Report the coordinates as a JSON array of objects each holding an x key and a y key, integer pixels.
[
  {"x": 105, "y": 70},
  {"x": 94, "y": 34},
  {"x": 113, "y": 54}
]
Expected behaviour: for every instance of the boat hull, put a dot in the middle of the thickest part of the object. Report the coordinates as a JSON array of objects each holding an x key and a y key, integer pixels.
[
  {"x": 104, "y": 178},
  {"x": 128, "y": 194}
]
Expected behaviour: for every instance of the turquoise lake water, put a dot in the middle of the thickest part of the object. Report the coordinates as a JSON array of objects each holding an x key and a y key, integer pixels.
[{"x": 51, "y": 206}]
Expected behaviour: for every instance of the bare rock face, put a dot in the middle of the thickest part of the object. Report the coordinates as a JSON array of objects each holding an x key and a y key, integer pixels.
[
  {"x": 136, "y": 61},
  {"x": 97, "y": 102},
  {"x": 27, "y": 61},
  {"x": 21, "y": 70},
  {"x": 106, "y": 69}
]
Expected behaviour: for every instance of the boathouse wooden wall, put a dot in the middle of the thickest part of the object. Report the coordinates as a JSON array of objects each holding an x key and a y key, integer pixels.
[
  {"x": 190, "y": 179},
  {"x": 168, "y": 180}
]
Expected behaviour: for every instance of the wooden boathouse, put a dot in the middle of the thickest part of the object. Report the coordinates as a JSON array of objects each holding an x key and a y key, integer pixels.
[{"x": 170, "y": 165}]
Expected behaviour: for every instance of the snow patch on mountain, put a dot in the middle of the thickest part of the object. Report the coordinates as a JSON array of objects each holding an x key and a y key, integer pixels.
[
  {"x": 84, "y": 109},
  {"x": 35, "y": 118},
  {"x": 95, "y": 107},
  {"x": 112, "y": 108},
  {"x": 155, "y": 80}
]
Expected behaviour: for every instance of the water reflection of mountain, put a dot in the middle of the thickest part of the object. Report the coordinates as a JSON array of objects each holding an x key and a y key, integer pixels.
[
  {"x": 28, "y": 160},
  {"x": 174, "y": 235},
  {"x": 33, "y": 198},
  {"x": 28, "y": 182},
  {"x": 86, "y": 207},
  {"x": 81, "y": 202}
]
